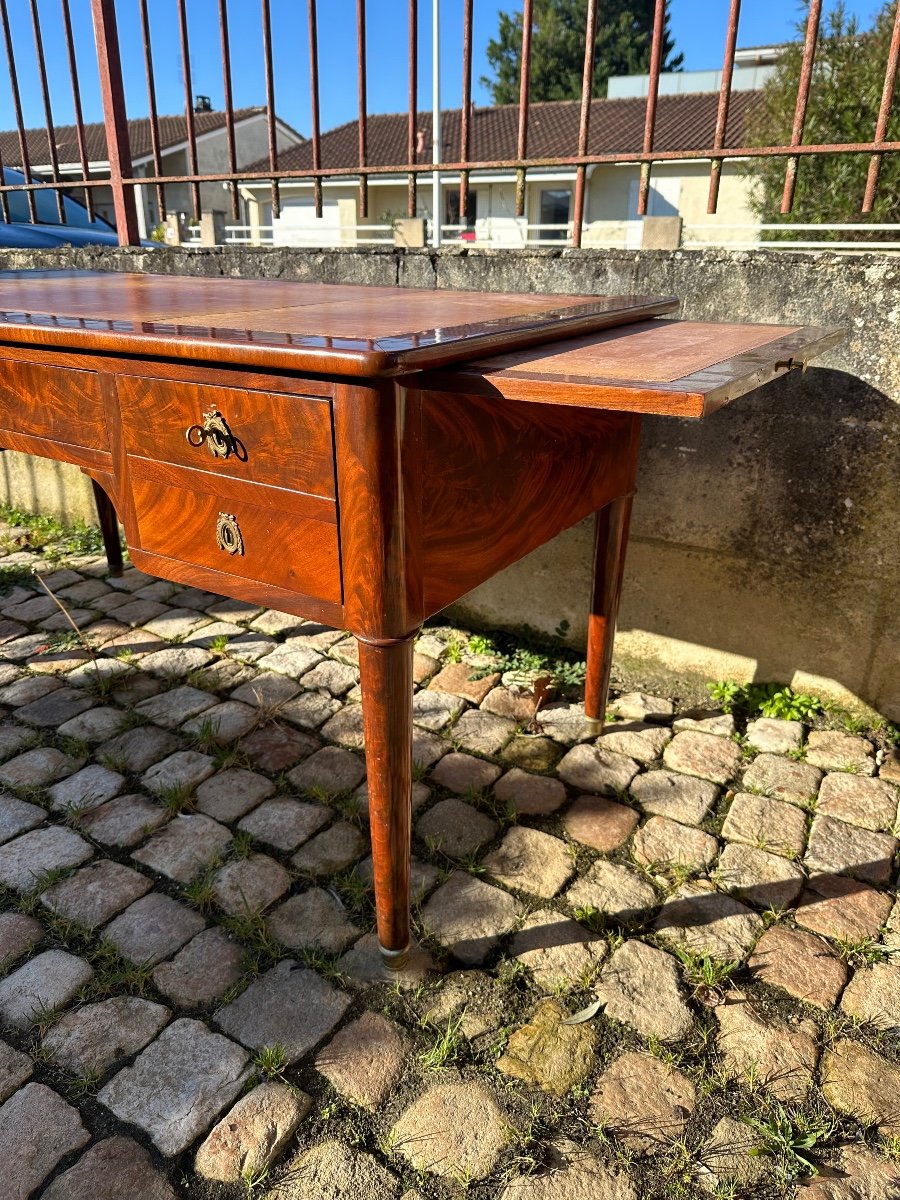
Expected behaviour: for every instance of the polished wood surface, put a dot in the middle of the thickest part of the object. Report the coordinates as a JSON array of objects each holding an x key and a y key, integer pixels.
[
  {"x": 299, "y": 554},
  {"x": 500, "y": 479},
  {"x": 330, "y": 328},
  {"x": 49, "y": 403},
  {"x": 610, "y": 541},
  {"x": 386, "y": 677},
  {"x": 360, "y": 489},
  {"x": 671, "y": 368},
  {"x": 284, "y": 441}
]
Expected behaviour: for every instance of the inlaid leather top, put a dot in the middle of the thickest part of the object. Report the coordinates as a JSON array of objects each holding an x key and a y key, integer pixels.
[{"x": 330, "y": 328}]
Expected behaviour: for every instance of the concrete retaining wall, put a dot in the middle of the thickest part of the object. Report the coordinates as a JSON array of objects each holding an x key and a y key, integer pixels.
[{"x": 766, "y": 540}]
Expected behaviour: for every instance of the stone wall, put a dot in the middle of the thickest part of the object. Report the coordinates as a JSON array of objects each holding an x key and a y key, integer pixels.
[{"x": 766, "y": 540}]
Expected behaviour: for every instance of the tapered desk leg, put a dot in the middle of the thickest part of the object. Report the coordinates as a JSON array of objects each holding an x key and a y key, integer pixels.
[
  {"x": 109, "y": 528},
  {"x": 386, "y": 678},
  {"x": 610, "y": 541}
]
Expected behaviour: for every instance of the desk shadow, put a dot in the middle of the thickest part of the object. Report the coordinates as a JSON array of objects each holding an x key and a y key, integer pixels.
[
  {"x": 700, "y": 904},
  {"x": 771, "y": 531}
]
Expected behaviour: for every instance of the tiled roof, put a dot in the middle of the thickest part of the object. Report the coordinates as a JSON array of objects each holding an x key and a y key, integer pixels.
[
  {"x": 683, "y": 122},
  {"x": 172, "y": 132}
]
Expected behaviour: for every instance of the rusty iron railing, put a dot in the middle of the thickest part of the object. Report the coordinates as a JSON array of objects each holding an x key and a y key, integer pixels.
[{"x": 123, "y": 180}]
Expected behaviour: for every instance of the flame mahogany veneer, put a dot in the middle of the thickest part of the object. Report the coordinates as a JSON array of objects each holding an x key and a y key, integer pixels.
[{"x": 361, "y": 456}]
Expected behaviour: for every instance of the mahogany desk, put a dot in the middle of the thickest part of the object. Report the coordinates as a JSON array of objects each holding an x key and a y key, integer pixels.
[{"x": 361, "y": 456}]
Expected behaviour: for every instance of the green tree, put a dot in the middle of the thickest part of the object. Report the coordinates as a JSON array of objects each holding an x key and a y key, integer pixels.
[
  {"x": 622, "y": 47},
  {"x": 844, "y": 99}
]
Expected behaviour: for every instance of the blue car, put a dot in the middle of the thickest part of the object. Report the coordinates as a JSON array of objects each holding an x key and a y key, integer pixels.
[{"x": 19, "y": 233}]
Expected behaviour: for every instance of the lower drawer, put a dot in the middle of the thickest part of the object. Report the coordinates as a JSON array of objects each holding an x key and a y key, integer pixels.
[{"x": 248, "y": 537}]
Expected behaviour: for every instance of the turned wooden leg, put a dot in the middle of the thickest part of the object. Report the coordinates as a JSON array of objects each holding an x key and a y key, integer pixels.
[
  {"x": 109, "y": 527},
  {"x": 386, "y": 679},
  {"x": 610, "y": 541}
]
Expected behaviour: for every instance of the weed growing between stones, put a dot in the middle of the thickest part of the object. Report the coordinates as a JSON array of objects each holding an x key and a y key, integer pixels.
[
  {"x": 790, "y": 1138},
  {"x": 271, "y": 1061},
  {"x": 864, "y": 952},
  {"x": 445, "y": 1048}
]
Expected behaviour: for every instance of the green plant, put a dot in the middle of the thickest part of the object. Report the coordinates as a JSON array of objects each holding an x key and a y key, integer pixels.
[
  {"x": 114, "y": 974},
  {"x": 83, "y": 1085},
  {"x": 253, "y": 1179},
  {"x": 764, "y": 699},
  {"x": 788, "y": 1137},
  {"x": 206, "y": 735},
  {"x": 242, "y": 844},
  {"x": 707, "y": 976},
  {"x": 478, "y": 644},
  {"x": 445, "y": 1048},
  {"x": 200, "y": 892},
  {"x": 64, "y": 639},
  {"x": 272, "y": 1061},
  {"x": 864, "y": 952},
  {"x": 13, "y": 575},
  {"x": 176, "y": 798}
]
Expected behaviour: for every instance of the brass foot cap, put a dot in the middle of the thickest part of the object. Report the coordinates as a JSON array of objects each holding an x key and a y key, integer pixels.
[
  {"x": 594, "y": 726},
  {"x": 395, "y": 960}
]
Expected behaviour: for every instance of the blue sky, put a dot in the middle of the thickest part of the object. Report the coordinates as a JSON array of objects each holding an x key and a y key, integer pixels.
[{"x": 698, "y": 27}]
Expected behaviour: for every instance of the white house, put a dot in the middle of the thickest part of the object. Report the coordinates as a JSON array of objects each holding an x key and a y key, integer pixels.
[
  {"x": 678, "y": 188},
  {"x": 250, "y": 138}
]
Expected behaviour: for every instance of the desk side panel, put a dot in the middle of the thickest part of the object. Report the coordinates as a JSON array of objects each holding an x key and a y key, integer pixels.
[{"x": 501, "y": 478}]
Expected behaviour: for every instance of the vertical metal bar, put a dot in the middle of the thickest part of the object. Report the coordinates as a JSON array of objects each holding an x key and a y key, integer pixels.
[
  {"x": 715, "y": 170},
  {"x": 362, "y": 124},
  {"x": 314, "y": 104},
  {"x": 48, "y": 111},
  {"x": 587, "y": 77},
  {"x": 806, "y": 69},
  {"x": 524, "y": 87},
  {"x": 270, "y": 105},
  {"x": 436, "y": 219},
  {"x": 151, "y": 99},
  {"x": 229, "y": 106},
  {"x": 412, "y": 137},
  {"x": 189, "y": 106},
  {"x": 464, "y": 128},
  {"x": 659, "y": 19},
  {"x": 5, "y": 197},
  {"x": 884, "y": 112},
  {"x": 17, "y": 107},
  {"x": 106, "y": 37},
  {"x": 76, "y": 104}
]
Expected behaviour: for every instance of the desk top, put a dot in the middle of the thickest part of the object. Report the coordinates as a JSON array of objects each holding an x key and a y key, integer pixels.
[{"x": 330, "y": 329}]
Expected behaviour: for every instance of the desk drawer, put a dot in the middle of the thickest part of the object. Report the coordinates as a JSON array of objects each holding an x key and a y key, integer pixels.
[
  {"x": 255, "y": 532},
  {"x": 52, "y": 402},
  {"x": 274, "y": 439}
]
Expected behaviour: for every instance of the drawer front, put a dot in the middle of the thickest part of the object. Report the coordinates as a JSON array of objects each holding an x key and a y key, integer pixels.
[
  {"x": 52, "y": 402},
  {"x": 259, "y": 437},
  {"x": 242, "y": 536}
]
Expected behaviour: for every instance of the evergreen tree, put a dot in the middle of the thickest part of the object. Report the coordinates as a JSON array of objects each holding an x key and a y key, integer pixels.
[{"x": 622, "y": 47}]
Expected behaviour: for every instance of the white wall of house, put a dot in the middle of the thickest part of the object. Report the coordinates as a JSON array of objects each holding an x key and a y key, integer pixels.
[{"x": 677, "y": 189}]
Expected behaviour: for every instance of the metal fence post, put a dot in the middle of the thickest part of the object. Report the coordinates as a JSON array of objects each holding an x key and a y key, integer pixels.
[{"x": 106, "y": 37}]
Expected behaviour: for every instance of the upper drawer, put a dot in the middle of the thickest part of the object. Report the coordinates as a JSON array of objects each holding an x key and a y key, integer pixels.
[
  {"x": 280, "y": 440},
  {"x": 52, "y": 402}
]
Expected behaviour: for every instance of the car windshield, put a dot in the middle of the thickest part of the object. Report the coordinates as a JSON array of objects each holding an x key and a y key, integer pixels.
[{"x": 45, "y": 202}]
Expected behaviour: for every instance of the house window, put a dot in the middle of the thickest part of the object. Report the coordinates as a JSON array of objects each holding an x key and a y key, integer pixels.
[
  {"x": 451, "y": 208},
  {"x": 555, "y": 206}
]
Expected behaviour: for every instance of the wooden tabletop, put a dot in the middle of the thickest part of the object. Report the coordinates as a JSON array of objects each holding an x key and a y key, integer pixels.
[
  {"x": 676, "y": 368},
  {"x": 316, "y": 327}
]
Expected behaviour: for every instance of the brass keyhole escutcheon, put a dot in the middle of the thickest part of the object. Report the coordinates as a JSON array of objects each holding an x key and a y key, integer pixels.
[
  {"x": 228, "y": 534},
  {"x": 218, "y": 437}
]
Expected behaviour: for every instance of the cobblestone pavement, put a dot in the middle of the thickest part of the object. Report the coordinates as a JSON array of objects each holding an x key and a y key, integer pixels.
[{"x": 190, "y": 994}]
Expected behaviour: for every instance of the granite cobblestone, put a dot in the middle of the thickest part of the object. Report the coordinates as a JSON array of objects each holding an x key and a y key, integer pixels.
[{"x": 167, "y": 847}]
